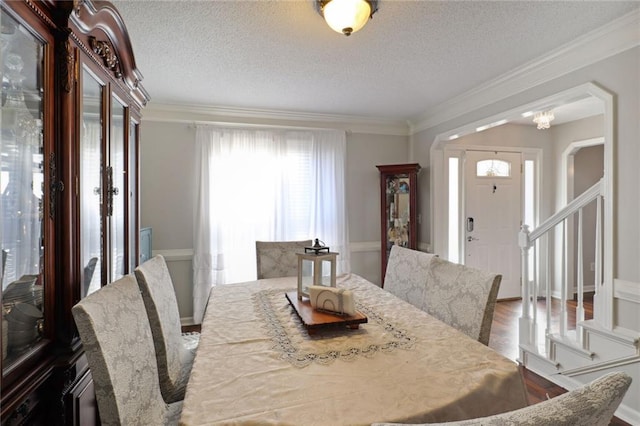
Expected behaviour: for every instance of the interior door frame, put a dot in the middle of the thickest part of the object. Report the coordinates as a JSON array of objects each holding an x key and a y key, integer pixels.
[{"x": 566, "y": 195}]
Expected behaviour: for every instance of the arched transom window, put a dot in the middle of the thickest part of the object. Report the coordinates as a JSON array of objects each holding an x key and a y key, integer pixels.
[{"x": 493, "y": 168}]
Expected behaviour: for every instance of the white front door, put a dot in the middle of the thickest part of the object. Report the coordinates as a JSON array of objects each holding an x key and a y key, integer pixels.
[{"x": 492, "y": 216}]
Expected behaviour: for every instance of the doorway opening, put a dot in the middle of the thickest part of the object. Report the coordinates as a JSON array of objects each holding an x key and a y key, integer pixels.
[
  {"x": 542, "y": 192},
  {"x": 582, "y": 166}
]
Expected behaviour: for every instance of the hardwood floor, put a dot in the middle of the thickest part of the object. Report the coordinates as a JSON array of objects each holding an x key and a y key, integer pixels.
[{"x": 504, "y": 339}]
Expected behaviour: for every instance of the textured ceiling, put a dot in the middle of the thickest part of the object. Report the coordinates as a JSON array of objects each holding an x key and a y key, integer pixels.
[{"x": 280, "y": 55}]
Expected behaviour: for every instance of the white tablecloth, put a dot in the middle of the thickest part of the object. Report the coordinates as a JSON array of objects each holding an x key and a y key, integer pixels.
[{"x": 256, "y": 364}]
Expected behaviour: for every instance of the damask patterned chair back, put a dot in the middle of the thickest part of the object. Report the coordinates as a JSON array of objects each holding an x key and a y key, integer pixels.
[
  {"x": 117, "y": 339},
  {"x": 406, "y": 274},
  {"x": 462, "y": 297},
  {"x": 174, "y": 351},
  {"x": 276, "y": 259},
  {"x": 593, "y": 404}
]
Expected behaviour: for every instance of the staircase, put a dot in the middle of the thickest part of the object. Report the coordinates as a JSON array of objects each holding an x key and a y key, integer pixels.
[{"x": 576, "y": 349}]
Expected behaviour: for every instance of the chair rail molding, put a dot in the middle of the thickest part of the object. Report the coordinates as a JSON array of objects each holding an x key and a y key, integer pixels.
[
  {"x": 175, "y": 255},
  {"x": 626, "y": 290}
]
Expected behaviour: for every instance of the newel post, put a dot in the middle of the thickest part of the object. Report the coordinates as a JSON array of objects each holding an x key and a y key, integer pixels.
[{"x": 526, "y": 326}]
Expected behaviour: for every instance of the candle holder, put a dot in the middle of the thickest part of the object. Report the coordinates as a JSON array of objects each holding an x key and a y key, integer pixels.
[{"x": 316, "y": 266}]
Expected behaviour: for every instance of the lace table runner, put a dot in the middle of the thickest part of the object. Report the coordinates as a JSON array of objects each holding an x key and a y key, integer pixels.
[{"x": 300, "y": 348}]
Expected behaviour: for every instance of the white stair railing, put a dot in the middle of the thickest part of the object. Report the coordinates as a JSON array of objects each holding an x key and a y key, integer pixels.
[{"x": 532, "y": 244}]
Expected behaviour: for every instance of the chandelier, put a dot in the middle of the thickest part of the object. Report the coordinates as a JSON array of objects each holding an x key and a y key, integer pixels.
[
  {"x": 347, "y": 16},
  {"x": 543, "y": 119}
]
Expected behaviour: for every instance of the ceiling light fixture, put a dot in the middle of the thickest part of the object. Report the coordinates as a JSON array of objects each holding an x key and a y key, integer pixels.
[
  {"x": 347, "y": 16},
  {"x": 543, "y": 119}
]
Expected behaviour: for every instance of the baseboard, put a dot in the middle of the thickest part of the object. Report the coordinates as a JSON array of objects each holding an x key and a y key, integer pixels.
[{"x": 187, "y": 321}]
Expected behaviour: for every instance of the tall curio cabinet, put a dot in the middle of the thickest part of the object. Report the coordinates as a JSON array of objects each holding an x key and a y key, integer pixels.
[
  {"x": 398, "y": 209},
  {"x": 70, "y": 112}
]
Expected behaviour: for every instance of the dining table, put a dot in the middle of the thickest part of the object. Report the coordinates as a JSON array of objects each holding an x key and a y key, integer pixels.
[{"x": 257, "y": 363}]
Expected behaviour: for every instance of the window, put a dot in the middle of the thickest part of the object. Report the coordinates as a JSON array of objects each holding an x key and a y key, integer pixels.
[
  {"x": 267, "y": 185},
  {"x": 493, "y": 168},
  {"x": 454, "y": 210},
  {"x": 529, "y": 209}
]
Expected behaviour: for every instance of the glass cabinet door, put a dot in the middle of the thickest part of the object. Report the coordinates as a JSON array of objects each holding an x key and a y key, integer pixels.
[
  {"x": 104, "y": 186},
  {"x": 398, "y": 206},
  {"x": 398, "y": 213},
  {"x": 91, "y": 193},
  {"x": 21, "y": 186},
  {"x": 116, "y": 177},
  {"x": 398, "y": 209},
  {"x": 133, "y": 195}
]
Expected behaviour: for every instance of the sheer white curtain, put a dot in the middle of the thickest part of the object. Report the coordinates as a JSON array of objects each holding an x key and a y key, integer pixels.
[
  {"x": 90, "y": 198},
  {"x": 264, "y": 185}
]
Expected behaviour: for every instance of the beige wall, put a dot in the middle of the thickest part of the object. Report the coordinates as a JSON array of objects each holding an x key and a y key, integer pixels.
[
  {"x": 167, "y": 182},
  {"x": 364, "y": 152},
  {"x": 167, "y": 197}
]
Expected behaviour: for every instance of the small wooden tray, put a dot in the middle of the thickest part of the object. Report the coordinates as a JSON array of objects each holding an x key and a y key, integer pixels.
[{"x": 315, "y": 320}]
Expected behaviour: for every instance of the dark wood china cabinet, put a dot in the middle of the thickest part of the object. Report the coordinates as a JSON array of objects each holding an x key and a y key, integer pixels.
[
  {"x": 69, "y": 120},
  {"x": 398, "y": 209}
]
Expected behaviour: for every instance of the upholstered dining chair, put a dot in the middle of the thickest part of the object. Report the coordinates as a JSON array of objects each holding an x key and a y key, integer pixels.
[
  {"x": 276, "y": 259},
  {"x": 462, "y": 297},
  {"x": 117, "y": 339},
  {"x": 406, "y": 274},
  {"x": 593, "y": 404},
  {"x": 175, "y": 351}
]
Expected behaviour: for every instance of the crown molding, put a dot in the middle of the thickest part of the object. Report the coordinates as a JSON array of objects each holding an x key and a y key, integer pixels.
[
  {"x": 176, "y": 113},
  {"x": 616, "y": 37}
]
